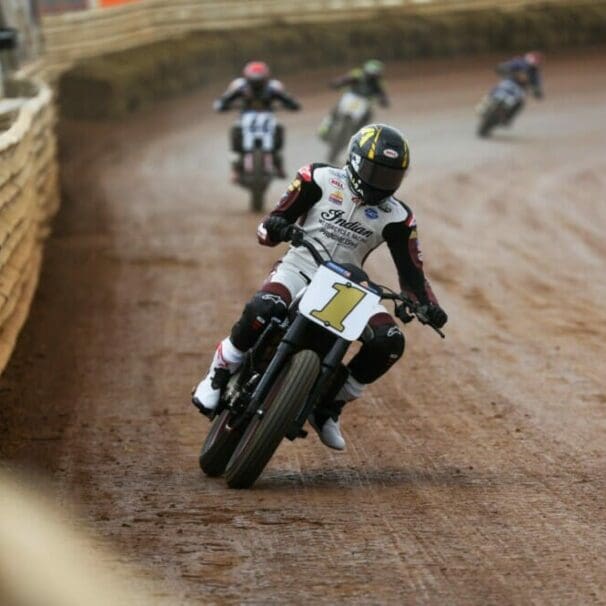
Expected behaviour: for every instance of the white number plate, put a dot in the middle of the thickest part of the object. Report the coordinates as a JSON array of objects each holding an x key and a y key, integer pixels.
[
  {"x": 353, "y": 105},
  {"x": 338, "y": 304}
]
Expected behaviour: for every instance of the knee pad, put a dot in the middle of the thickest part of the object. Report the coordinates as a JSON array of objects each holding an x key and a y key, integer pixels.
[
  {"x": 235, "y": 137},
  {"x": 382, "y": 347},
  {"x": 388, "y": 340},
  {"x": 256, "y": 315}
]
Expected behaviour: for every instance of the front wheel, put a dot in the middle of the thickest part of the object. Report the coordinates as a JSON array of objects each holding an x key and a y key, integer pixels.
[
  {"x": 264, "y": 434},
  {"x": 489, "y": 118},
  {"x": 259, "y": 182}
]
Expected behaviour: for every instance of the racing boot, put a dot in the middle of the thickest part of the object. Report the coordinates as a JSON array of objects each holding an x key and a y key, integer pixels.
[
  {"x": 226, "y": 361},
  {"x": 325, "y": 418},
  {"x": 326, "y": 423}
]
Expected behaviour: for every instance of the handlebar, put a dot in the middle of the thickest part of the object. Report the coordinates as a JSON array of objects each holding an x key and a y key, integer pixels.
[{"x": 405, "y": 308}]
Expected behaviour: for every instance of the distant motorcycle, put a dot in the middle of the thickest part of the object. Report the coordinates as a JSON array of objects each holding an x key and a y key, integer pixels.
[
  {"x": 351, "y": 112},
  {"x": 259, "y": 137},
  {"x": 497, "y": 108},
  {"x": 294, "y": 366}
]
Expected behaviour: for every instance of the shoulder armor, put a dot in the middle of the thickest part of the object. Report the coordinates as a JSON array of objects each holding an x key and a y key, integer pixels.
[
  {"x": 276, "y": 85},
  {"x": 404, "y": 211}
]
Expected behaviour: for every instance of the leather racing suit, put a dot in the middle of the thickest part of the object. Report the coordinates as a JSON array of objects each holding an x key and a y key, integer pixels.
[
  {"x": 259, "y": 99},
  {"x": 321, "y": 202}
]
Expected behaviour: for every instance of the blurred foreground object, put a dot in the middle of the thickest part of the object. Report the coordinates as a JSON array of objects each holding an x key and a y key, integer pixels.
[{"x": 44, "y": 562}]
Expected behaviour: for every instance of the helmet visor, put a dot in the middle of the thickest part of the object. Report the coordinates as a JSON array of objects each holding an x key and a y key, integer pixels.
[{"x": 380, "y": 177}]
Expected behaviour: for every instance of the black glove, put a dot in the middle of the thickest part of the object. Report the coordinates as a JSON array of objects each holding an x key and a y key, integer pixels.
[
  {"x": 278, "y": 229},
  {"x": 436, "y": 315}
]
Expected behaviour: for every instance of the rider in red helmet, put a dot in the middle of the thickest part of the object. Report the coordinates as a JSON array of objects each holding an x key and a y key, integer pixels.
[
  {"x": 256, "y": 91},
  {"x": 525, "y": 72}
]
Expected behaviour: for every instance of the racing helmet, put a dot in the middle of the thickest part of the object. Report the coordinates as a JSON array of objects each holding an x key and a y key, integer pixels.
[
  {"x": 256, "y": 73},
  {"x": 373, "y": 67},
  {"x": 377, "y": 160},
  {"x": 534, "y": 58}
]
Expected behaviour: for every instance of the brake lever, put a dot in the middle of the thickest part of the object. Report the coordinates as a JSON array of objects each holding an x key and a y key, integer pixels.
[{"x": 403, "y": 315}]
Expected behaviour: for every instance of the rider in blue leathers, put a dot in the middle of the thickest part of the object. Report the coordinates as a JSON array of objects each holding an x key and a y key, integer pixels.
[{"x": 525, "y": 72}]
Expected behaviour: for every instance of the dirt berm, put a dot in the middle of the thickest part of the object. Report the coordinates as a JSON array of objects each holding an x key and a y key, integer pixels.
[{"x": 116, "y": 84}]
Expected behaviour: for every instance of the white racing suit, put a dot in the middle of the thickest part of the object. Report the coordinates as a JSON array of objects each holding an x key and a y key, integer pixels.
[{"x": 320, "y": 201}]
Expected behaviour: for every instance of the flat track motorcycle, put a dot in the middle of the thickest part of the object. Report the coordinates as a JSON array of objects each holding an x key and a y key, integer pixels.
[
  {"x": 496, "y": 108},
  {"x": 295, "y": 365}
]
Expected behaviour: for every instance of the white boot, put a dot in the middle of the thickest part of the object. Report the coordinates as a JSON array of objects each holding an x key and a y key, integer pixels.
[
  {"x": 226, "y": 361},
  {"x": 329, "y": 432}
]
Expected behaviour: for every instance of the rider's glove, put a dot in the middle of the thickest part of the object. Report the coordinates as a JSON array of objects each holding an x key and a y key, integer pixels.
[
  {"x": 278, "y": 229},
  {"x": 218, "y": 106},
  {"x": 436, "y": 315}
]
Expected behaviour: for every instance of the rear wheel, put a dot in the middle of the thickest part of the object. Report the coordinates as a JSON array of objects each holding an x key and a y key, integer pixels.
[
  {"x": 264, "y": 434},
  {"x": 219, "y": 445}
]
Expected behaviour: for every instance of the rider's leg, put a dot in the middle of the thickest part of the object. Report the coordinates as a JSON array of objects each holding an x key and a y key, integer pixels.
[
  {"x": 237, "y": 148},
  {"x": 382, "y": 346},
  {"x": 278, "y": 143},
  {"x": 270, "y": 302}
]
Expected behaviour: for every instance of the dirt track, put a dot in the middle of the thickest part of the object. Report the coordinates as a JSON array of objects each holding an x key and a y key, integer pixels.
[{"x": 475, "y": 470}]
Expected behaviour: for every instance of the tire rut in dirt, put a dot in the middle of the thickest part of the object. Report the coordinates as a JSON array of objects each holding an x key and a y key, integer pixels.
[{"x": 264, "y": 435}]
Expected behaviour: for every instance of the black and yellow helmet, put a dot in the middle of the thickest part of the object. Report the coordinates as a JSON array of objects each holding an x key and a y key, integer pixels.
[{"x": 378, "y": 158}]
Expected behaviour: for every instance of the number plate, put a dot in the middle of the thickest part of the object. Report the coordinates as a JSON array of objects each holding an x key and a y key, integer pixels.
[
  {"x": 338, "y": 304},
  {"x": 353, "y": 105}
]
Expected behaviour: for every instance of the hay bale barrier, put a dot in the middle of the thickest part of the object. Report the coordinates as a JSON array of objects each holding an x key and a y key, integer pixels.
[
  {"x": 28, "y": 199},
  {"x": 116, "y": 84}
]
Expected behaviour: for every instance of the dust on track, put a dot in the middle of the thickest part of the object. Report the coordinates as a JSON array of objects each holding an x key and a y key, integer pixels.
[{"x": 475, "y": 469}]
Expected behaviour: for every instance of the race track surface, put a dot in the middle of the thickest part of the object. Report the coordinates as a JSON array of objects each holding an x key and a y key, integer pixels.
[{"x": 475, "y": 471}]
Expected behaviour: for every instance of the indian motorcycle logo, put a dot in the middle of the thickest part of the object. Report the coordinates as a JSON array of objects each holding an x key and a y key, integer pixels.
[{"x": 336, "y": 218}]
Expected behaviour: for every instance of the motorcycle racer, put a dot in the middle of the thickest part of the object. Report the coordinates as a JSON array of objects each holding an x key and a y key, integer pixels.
[
  {"x": 256, "y": 91},
  {"x": 365, "y": 81},
  {"x": 525, "y": 72},
  {"x": 351, "y": 211}
]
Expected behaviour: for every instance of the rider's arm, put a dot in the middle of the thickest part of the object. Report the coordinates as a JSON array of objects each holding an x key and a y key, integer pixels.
[
  {"x": 279, "y": 93},
  {"x": 381, "y": 94},
  {"x": 504, "y": 68},
  {"x": 346, "y": 80},
  {"x": 534, "y": 76},
  {"x": 233, "y": 92},
  {"x": 401, "y": 238},
  {"x": 301, "y": 195}
]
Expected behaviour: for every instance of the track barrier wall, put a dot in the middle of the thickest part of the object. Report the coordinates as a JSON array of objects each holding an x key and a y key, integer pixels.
[
  {"x": 28, "y": 199},
  {"x": 141, "y": 71}
]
